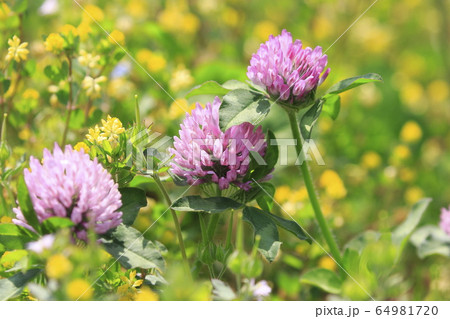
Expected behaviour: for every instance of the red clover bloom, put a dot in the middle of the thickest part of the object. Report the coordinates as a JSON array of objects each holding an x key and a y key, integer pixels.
[
  {"x": 445, "y": 220},
  {"x": 204, "y": 154},
  {"x": 69, "y": 184},
  {"x": 288, "y": 71}
]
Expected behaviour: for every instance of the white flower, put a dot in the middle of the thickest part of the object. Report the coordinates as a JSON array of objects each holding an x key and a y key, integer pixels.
[
  {"x": 92, "y": 85},
  {"x": 45, "y": 242}
]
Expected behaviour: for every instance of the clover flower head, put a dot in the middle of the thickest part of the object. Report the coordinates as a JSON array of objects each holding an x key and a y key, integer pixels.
[
  {"x": 287, "y": 70},
  {"x": 92, "y": 85},
  {"x": 17, "y": 50},
  {"x": 205, "y": 154},
  {"x": 69, "y": 184},
  {"x": 445, "y": 220}
]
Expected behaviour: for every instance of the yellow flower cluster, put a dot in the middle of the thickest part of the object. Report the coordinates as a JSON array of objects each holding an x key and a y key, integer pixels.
[
  {"x": 110, "y": 131},
  {"x": 88, "y": 59},
  {"x": 333, "y": 184},
  {"x": 16, "y": 50},
  {"x": 153, "y": 61},
  {"x": 54, "y": 43},
  {"x": 177, "y": 19},
  {"x": 92, "y": 85},
  {"x": 58, "y": 266},
  {"x": 181, "y": 79},
  {"x": 129, "y": 290},
  {"x": 371, "y": 160},
  {"x": 79, "y": 289},
  {"x": 411, "y": 132},
  {"x": 117, "y": 36}
]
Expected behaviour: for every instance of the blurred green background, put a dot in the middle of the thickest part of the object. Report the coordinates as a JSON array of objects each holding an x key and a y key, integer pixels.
[{"x": 386, "y": 150}]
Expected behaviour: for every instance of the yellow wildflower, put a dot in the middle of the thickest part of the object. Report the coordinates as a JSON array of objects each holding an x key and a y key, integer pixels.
[
  {"x": 402, "y": 152},
  {"x": 282, "y": 193},
  {"x": 264, "y": 29},
  {"x": 54, "y": 43},
  {"x": 411, "y": 93},
  {"x": 79, "y": 289},
  {"x": 146, "y": 294},
  {"x": 116, "y": 36},
  {"x": 230, "y": 17},
  {"x": 89, "y": 60},
  {"x": 92, "y": 85},
  {"x": 112, "y": 128},
  {"x": 128, "y": 290},
  {"x": 16, "y": 50},
  {"x": 298, "y": 195},
  {"x": 5, "y": 11},
  {"x": 154, "y": 62},
  {"x": 371, "y": 160},
  {"x": 327, "y": 263},
  {"x": 407, "y": 175},
  {"x": 333, "y": 184},
  {"x": 95, "y": 135},
  {"x": 413, "y": 194},
  {"x": 81, "y": 146},
  {"x": 93, "y": 12},
  {"x": 58, "y": 266},
  {"x": 31, "y": 94},
  {"x": 67, "y": 29},
  {"x": 83, "y": 29},
  {"x": 120, "y": 88},
  {"x": 179, "y": 107},
  {"x": 322, "y": 27},
  {"x": 438, "y": 91},
  {"x": 411, "y": 132},
  {"x": 181, "y": 79},
  {"x": 5, "y": 220}
]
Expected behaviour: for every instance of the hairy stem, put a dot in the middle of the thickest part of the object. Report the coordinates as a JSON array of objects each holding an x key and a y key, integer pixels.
[
  {"x": 176, "y": 222},
  {"x": 69, "y": 103},
  {"x": 311, "y": 191}
]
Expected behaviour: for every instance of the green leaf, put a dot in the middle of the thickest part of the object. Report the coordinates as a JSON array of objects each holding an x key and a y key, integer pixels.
[
  {"x": 265, "y": 227},
  {"x": 11, "y": 287},
  {"x": 431, "y": 240},
  {"x": 26, "y": 205},
  {"x": 52, "y": 224},
  {"x": 241, "y": 105},
  {"x": 208, "y": 88},
  {"x": 15, "y": 237},
  {"x": 353, "y": 82},
  {"x": 20, "y": 6},
  {"x": 309, "y": 119},
  {"x": 400, "y": 234},
  {"x": 132, "y": 250},
  {"x": 332, "y": 105},
  {"x": 4, "y": 85},
  {"x": 133, "y": 199},
  {"x": 290, "y": 226},
  {"x": 265, "y": 199},
  {"x": 324, "y": 279},
  {"x": 235, "y": 84},
  {"x": 209, "y": 205},
  {"x": 222, "y": 291}
]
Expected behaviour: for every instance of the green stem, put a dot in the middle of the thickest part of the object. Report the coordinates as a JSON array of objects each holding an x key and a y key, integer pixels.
[
  {"x": 311, "y": 191},
  {"x": 228, "y": 244},
  {"x": 214, "y": 220},
  {"x": 201, "y": 217},
  {"x": 176, "y": 222},
  {"x": 69, "y": 103}
]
